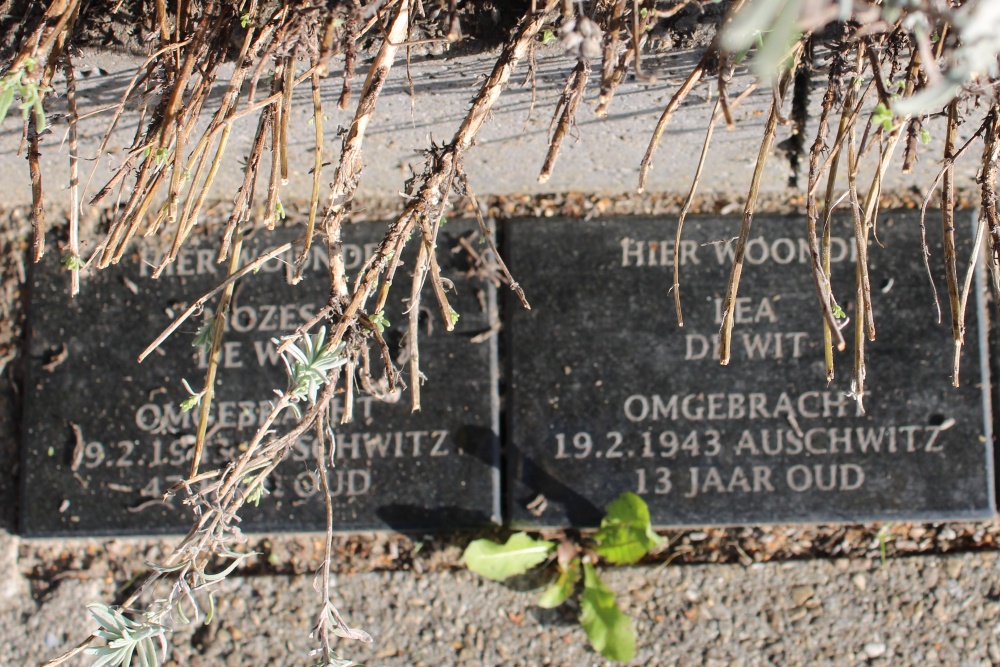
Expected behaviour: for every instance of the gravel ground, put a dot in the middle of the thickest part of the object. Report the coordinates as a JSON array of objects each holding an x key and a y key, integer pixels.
[{"x": 928, "y": 610}]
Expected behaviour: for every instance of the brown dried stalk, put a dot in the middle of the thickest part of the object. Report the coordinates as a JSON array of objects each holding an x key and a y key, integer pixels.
[
  {"x": 689, "y": 200},
  {"x": 948, "y": 229},
  {"x": 565, "y": 111},
  {"x": 350, "y": 57},
  {"x": 860, "y": 371},
  {"x": 988, "y": 209},
  {"x": 198, "y": 305},
  {"x": 661, "y": 125},
  {"x": 732, "y": 288},
  {"x": 317, "y": 176},
  {"x": 821, "y": 279},
  {"x": 348, "y": 174},
  {"x": 74, "y": 178},
  {"x": 37, "y": 206},
  {"x": 870, "y": 207},
  {"x": 436, "y": 184},
  {"x": 692, "y": 80},
  {"x": 488, "y": 236},
  {"x": 214, "y": 354},
  {"x": 611, "y": 62},
  {"x": 847, "y": 116}
]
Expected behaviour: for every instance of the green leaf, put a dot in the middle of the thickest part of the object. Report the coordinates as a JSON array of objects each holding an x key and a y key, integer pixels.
[
  {"x": 500, "y": 561},
  {"x": 882, "y": 116},
  {"x": 609, "y": 630},
  {"x": 72, "y": 262},
  {"x": 379, "y": 321},
  {"x": 6, "y": 99},
  {"x": 562, "y": 587},
  {"x": 548, "y": 37},
  {"x": 626, "y": 534},
  {"x": 190, "y": 403},
  {"x": 925, "y": 136}
]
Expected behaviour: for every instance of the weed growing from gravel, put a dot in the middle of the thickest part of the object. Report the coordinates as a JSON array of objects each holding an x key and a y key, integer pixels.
[{"x": 624, "y": 538}]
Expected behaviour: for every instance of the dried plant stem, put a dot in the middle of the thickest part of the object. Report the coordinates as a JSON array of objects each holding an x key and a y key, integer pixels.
[
  {"x": 214, "y": 354},
  {"x": 988, "y": 208},
  {"x": 317, "y": 176},
  {"x": 690, "y": 82},
  {"x": 413, "y": 315},
  {"x": 860, "y": 371},
  {"x": 870, "y": 208},
  {"x": 821, "y": 278},
  {"x": 328, "y": 542},
  {"x": 661, "y": 125},
  {"x": 717, "y": 113},
  {"x": 948, "y": 230},
  {"x": 565, "y": 110},
  {"x": 849, "y": 111},
  {"x": 612, "y": 65},
  {"x": 348, "y": 174},
  {"x": 488, "y": 236},
  {"x": 350, "y": 59},
  {"x": 74, "y": 178},
  {"x": 676, "y": 288},
  {"x": 200, "y": 303},
  {"x": 728, "y": 307},
  {"x": 37, "y": 206}
]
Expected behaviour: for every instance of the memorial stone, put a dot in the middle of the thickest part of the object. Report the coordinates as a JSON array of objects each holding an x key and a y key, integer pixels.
[
  {"x": 393, "y": 469},
  {"x": 607, "y": 394}
]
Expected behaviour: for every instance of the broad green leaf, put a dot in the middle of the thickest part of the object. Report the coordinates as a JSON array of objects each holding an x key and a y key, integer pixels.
[
  {"x": 562, "y": 587},
  {"x": 500, "y": 561},
  {"x": 626, "y": 534},
  {"x": 609, "y": 630}
]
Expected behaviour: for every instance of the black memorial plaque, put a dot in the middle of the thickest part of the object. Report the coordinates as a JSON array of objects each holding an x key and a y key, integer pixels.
[
  {"x": 393, "y": 468},
  {"x": 607, "y": 394}
]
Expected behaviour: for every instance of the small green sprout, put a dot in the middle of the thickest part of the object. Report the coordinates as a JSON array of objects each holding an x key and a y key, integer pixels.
[
  {"x": 244, "y": 20},
  {"x": 162, "y": 155},
  {"x": 257, "y": 493},
  {"x": 191, "y": 401},
  {"x": 72, "y": 262},
  {"x": 13, "y": 83},
  {"x": 882, "y": 116},
  {"x": 925, "y": 136},
  {"x": 279, "y": 210},
  {"x": 548, "y": 37},
  {"x": 308, "y": 366},
  {"x": 378, "y": 319},
  {"x": 838, "y": 312},
  {"x": 205, "y": 335},
  {"x": 625, "y": 537},
  {"x": 453, "y": 317}
]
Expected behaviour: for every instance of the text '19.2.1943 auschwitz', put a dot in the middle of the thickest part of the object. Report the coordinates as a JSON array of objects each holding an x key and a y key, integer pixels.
[
  {"x": 104, "y": 436},
  {"x": 608, "y": 394}
]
